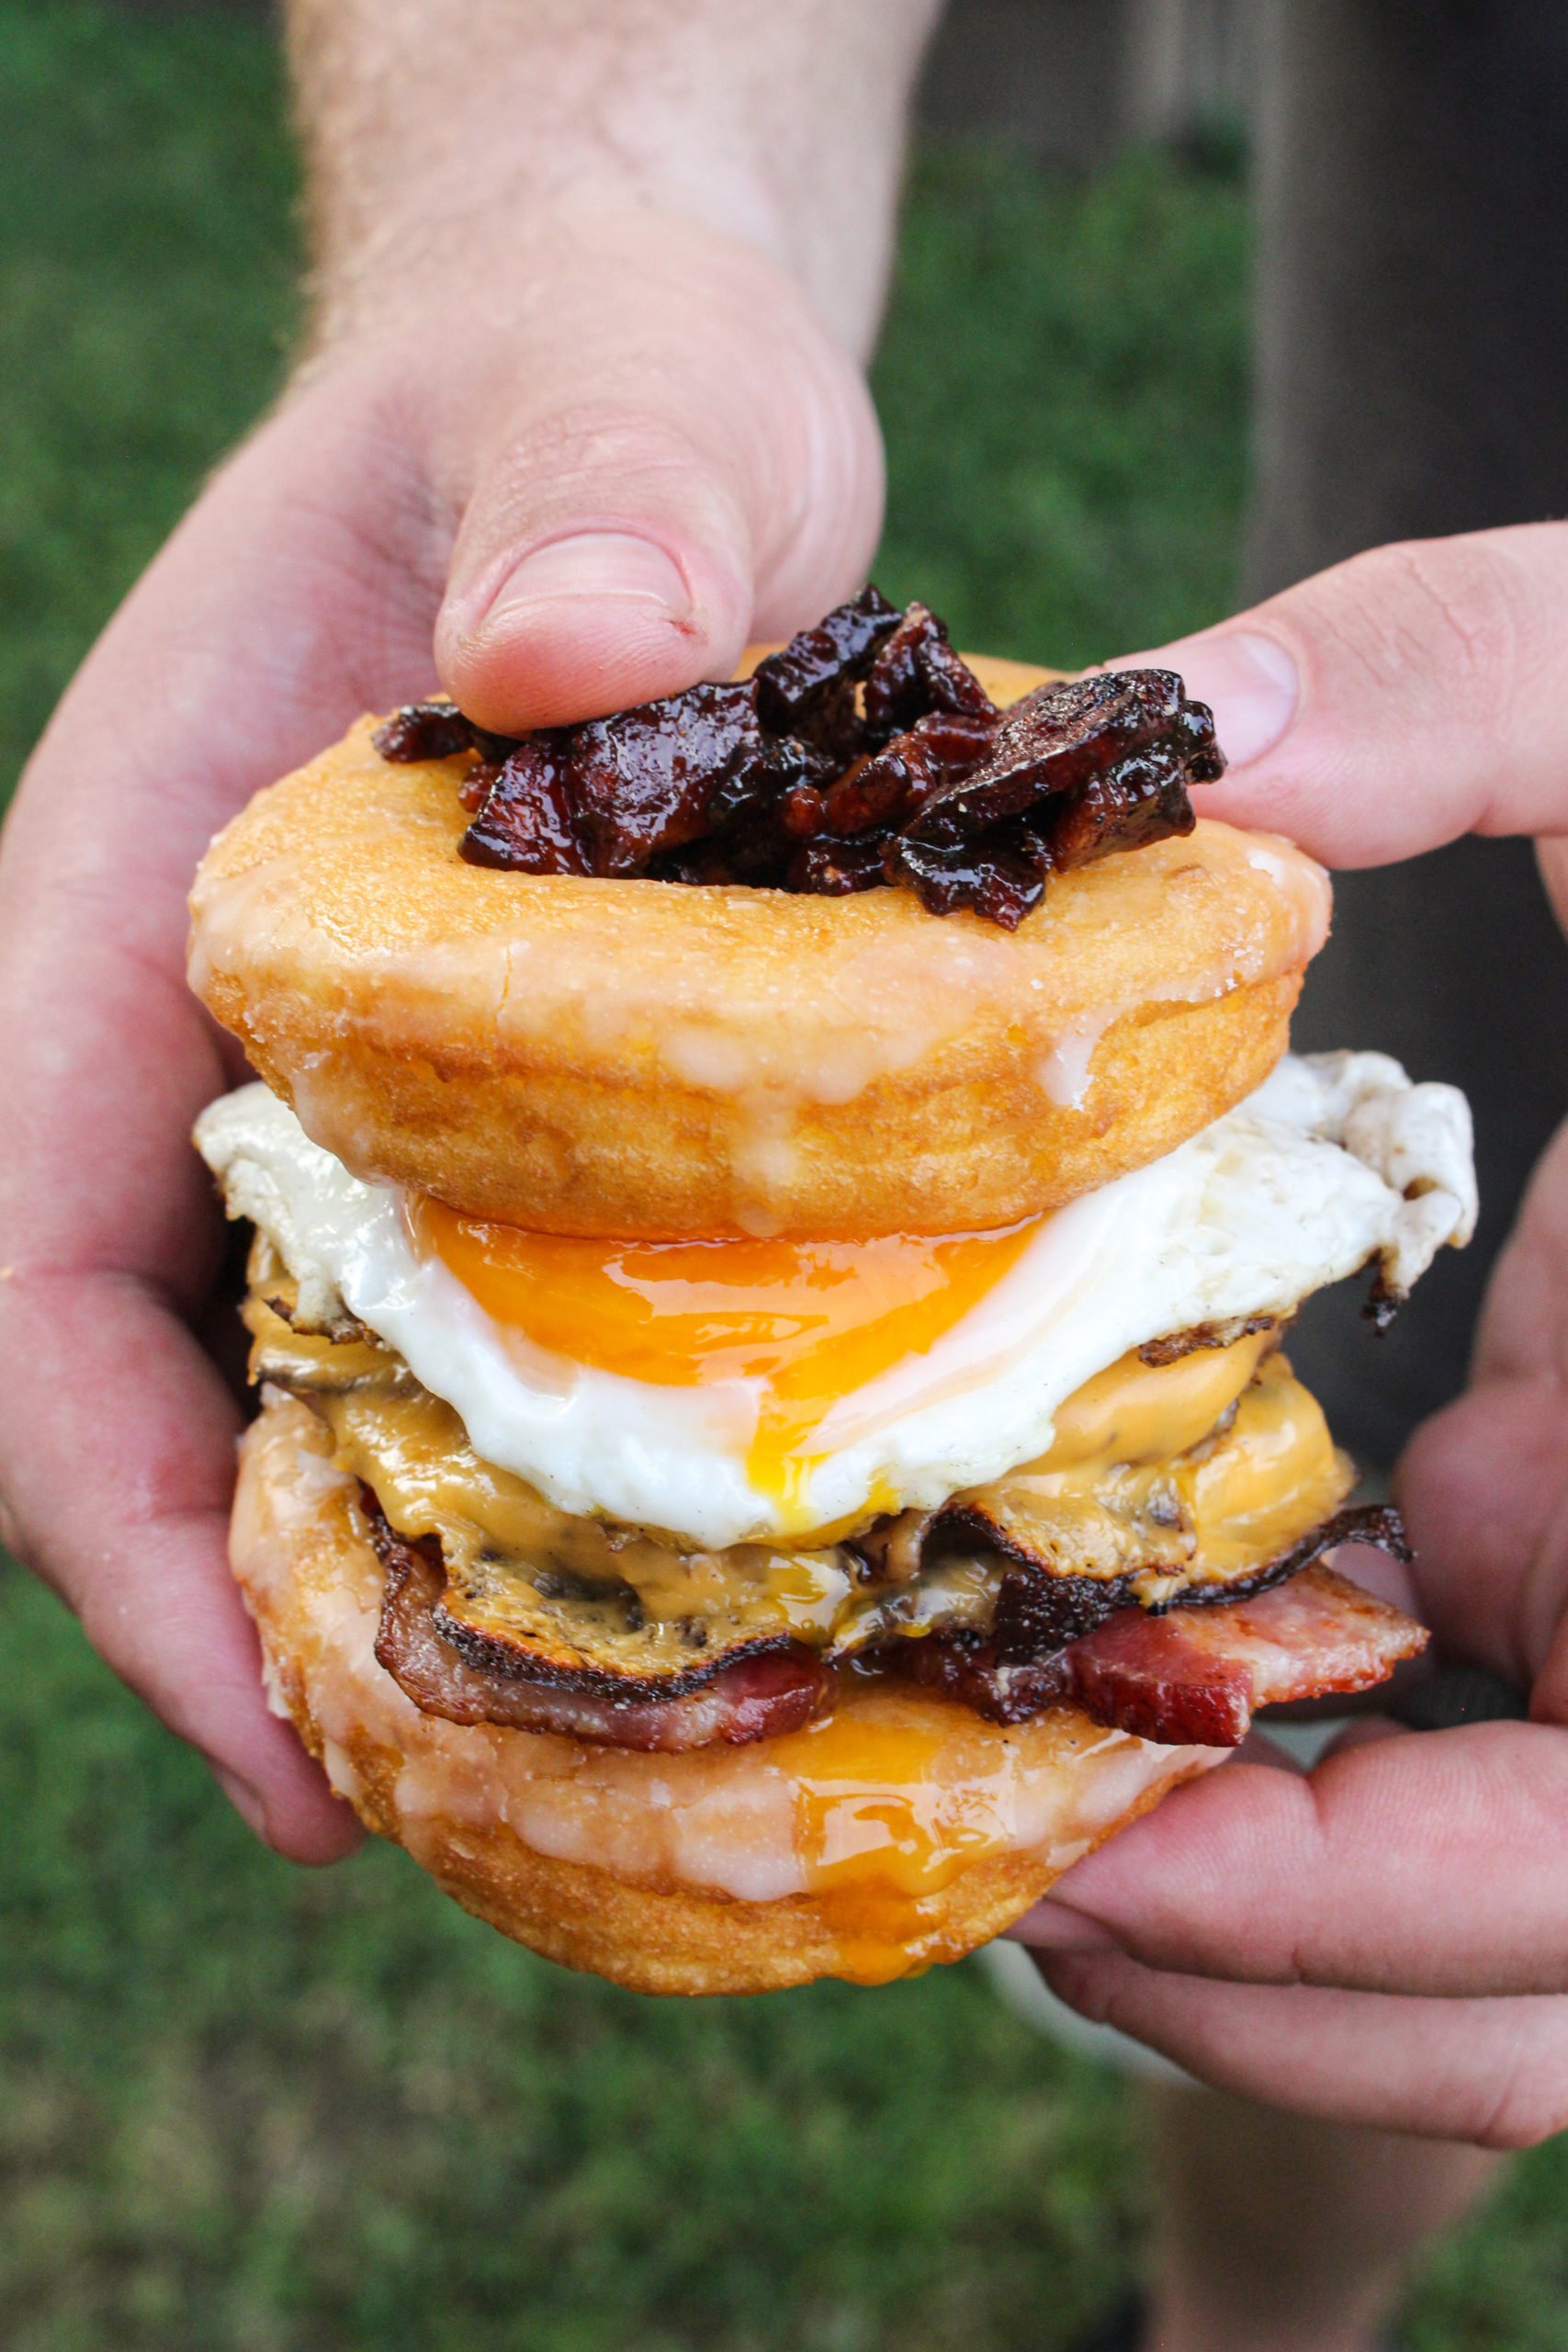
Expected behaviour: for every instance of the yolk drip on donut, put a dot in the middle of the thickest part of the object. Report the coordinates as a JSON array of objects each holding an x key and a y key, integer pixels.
[
  {"x": 809, "y": 1320},
  {"x": 881, "y": 1830}
]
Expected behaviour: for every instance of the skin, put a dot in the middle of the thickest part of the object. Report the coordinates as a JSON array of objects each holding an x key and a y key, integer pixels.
[
  {"x": 584, "y": 300},
  {"x": 1381, "y": 1943},
  {"x": 582, "y": 410},
  {"x": 1280, "y": 2234}
]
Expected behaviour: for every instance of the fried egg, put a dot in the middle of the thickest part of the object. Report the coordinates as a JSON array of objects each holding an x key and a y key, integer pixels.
[{"x": 725, "y": 1392}]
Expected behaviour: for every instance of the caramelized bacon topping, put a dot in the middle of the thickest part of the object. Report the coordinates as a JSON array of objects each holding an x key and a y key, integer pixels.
[
  {"x": 917, "y": 672},
  {"x": 1072, "y": 773},
  {"x": 425, "y": 730},
  {"x": 808, "y": 688},
  {"x": 864, "y": 753}
]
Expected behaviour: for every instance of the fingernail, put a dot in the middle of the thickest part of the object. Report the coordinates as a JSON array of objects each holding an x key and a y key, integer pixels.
[
  {"x": 248, "y": 1802},
  {"x": 597, "y": 567},
  {"x": 1249, "y": 681},
  {"x": 1057, "y": 1927}
]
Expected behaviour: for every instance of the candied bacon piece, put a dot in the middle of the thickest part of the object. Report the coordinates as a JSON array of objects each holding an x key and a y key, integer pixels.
[
  {"x": 643, "y": 781},
  {"x": 475, "y": 788},
  {"x": 1074, "y": 772},
  {"x": 766, "y": 805},
  {"x": 527, "y": 822},
  {"x": 760, "y": 813},
  {"x": 829, "y": 869},
  {"x": 844, "y": 828},
  {"x": 608, "y": 796},
  {"x": 1140, "y": 801},
  {"x": 929, "y": 756},
  {"x": 915, "y": 673},
  {"x": 1000, "y": 877},
  {"x": 806, "y": 688},
  {"x": 1062, "y": 736},
  {"x": 436, "y": 729}
]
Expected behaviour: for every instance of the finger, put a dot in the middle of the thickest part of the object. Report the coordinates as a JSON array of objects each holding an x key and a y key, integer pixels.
[
  {"x": 1490, "y": 2071},
  {"x": 117, "y": 1452},
  {"x": 1483, "y": 1487},
  {"x": 1426, "y": 1863},
  {"x": 1484, "y": 1484},
  {"x": 628, "y": 526},
  {"x": 1397, "y": 701}
]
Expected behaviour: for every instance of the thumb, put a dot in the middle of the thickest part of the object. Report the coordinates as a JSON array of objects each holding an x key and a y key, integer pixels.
[
  {"x": 1397, "y": 701},
  {"x": 682, "y": 460}
]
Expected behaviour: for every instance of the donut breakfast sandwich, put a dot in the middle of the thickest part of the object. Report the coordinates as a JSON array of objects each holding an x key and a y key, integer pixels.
[{"x": 777, "y": 1216}]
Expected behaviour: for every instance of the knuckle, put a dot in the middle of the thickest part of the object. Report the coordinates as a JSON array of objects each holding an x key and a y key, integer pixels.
[
  {"x": 1455, "y": 613},
  {"x": 591, "y": 442}
]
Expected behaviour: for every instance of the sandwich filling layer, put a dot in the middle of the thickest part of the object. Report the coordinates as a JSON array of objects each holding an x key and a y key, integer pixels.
[
  {"x": 725, "y": 1407},
  {"x": 876, "y": 1832},
  {"x": 664, "y": 1506}
]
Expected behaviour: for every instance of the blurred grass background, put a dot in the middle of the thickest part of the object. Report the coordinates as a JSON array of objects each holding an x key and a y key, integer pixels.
[{"x": 246, "y": 2109}]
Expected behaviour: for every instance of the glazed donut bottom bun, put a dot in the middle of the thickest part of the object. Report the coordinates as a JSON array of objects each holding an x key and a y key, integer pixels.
[
  {"x": 641, "y": 1058},
  {"x": 727, "y": 1870}
]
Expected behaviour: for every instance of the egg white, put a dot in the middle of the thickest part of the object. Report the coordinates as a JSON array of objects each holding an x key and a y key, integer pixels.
[{"x": 1335, "y": 1160}]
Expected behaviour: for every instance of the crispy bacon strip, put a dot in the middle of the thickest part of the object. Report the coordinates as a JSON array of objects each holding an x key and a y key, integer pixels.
[
  {"x": 1194, "y": 1676},
  {"x": 1198, "y": 1674},
  {"x": 1042, "y": 1606},
  {"x": 754, "y": 1697}
]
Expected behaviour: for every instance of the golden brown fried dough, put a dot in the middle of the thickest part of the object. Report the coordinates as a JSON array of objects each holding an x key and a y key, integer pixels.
[{"x": 639, "y": 1058}]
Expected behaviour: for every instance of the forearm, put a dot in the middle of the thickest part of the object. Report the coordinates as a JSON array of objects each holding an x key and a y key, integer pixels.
[{"x": 442, "y": 136}]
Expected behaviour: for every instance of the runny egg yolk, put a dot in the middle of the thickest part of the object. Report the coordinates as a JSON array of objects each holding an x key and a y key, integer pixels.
[
  {"x": 810, "y": 1321},
  {"x": 882, "y": 1829}
]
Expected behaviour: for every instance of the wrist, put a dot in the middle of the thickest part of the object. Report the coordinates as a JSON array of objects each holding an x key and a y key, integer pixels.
[
  {"x": 447, "y": 125},
  {"x": 578, "y": 308},
  {"x": 486, "y": 251}
]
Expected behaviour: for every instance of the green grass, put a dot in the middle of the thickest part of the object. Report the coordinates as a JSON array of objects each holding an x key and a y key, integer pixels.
[
  {"x": 247, "y": 2110},
  {"x": 1063, "y": 386},
  {"x": 146, "y": 262}
]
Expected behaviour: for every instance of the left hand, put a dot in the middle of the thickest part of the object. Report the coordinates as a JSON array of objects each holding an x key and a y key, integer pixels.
[{"x": 1385, "y": 1940}]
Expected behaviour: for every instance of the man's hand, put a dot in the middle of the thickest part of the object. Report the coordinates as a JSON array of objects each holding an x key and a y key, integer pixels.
[
  {"x": 1387, "y": 1943},
  {"x": 583, "y": 414}
]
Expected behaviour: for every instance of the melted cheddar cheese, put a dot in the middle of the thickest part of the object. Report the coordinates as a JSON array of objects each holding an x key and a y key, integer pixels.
[{"x": 1205, "y": 1468}]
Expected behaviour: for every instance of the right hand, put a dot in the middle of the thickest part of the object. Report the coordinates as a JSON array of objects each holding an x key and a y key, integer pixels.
[
  {"x": 1384, "y": 1942},
  {"x": 593, "y": 484}
]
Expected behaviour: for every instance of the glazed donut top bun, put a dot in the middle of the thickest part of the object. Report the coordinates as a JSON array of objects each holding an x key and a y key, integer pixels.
[{"x": 843, "y": 951}]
